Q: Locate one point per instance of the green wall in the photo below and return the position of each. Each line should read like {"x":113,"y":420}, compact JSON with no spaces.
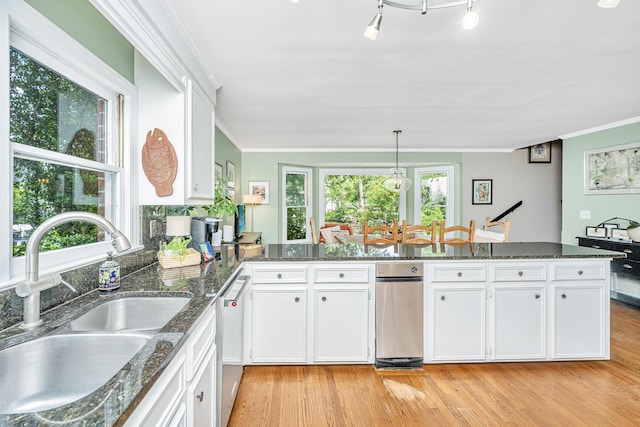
{"x":602,"y":207}
{"x":266,"y":166}
{"x":85,"y":24}
{"x":227,"y":151}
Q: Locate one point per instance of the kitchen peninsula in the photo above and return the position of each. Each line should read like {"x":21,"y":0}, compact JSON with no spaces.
{"x":520,"y":301}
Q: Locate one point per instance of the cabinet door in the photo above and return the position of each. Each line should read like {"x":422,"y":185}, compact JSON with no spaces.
{"x":279,"y":326}
{"x":458,"y":324}
{"x":200,"y":145}
{"x":579,"y":322}
{"x":341,"y":325}
{"x":201,"y":393}
{"x":518,"y":323}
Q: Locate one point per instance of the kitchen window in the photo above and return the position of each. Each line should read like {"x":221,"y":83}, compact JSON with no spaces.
{"x":65,"y":147}
{"x":296,"y":184}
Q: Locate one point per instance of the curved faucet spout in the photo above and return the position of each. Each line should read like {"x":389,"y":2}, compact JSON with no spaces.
{"x":30,"y":290}
{"x":120,"y":242}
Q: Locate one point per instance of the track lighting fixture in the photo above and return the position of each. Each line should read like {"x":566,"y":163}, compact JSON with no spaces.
{"x":469,"y":21}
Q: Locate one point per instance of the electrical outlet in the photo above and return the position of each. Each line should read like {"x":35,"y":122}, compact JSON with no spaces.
{"x":585,"y":214}
{"x":153,"y":228}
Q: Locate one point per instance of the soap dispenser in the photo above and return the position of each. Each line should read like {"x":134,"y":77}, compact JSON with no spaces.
{"x":109,"y":273}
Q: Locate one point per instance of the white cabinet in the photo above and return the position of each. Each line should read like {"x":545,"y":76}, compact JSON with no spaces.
{"x":310,"y":313}
{"x":580,"y":315}
{"x":457,"y":330}
{"x":518,"y":322}
{"x":174,"y":399}
{"x":279,"y":325}
{"x":200,"y":137}
{"x":341,"y":325}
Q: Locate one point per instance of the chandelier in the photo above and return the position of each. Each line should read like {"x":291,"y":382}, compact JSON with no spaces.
{"x":397,"y":180}
{"x":469,"y":21}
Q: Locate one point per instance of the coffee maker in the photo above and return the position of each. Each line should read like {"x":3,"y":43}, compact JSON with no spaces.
{"x":202,"y":230}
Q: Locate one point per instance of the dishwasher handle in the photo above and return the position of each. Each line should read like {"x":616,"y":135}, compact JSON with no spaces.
{"x":235,"y":289}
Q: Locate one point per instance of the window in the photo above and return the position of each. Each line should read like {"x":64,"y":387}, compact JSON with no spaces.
{"x":297,"y":204}
{"x":62,"y":149}
{"x":353,"y":195}
{"x":433,"y":192}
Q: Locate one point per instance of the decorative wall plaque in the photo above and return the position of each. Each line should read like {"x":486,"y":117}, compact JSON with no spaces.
{"x":159,"y":162}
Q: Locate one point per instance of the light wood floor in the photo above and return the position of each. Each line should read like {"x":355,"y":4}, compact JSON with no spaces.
{"x":605,"y":393}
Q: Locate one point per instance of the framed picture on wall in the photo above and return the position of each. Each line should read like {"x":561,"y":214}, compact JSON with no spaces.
{"x":219,"y":171}
{"x":612,"y":170}
{"x":482,"y":191}
{"x":540,"y":153}
{"x":260,"y":188}
{"x":231,"y":174}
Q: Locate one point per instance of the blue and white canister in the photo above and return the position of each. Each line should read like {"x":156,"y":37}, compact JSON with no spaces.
{"x":109,"y":272}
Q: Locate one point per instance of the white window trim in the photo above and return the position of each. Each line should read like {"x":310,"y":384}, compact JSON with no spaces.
{"x":417,"y":194}
{"x":30,"y":32}
{"x":323,"y":173}
{"x":309,"y":201}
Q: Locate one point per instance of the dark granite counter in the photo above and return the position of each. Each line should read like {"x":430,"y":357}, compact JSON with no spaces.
{"x":116,"y":400}
{"x":473,"y":251}
{"x":112,"y":403}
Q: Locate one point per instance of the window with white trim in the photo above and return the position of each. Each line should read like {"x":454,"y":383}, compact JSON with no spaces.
{"x":433,"y":194}
{"x":297,"y":212}
{"x":63,"y":147}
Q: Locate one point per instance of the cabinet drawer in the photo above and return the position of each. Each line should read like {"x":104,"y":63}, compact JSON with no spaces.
{"x":293,"y":274}
{"x":459,"y":273}
{"x":595,"y":271}
{"x":518,"y":273}
{"x":632,"y":250}
{"x":626,"y":266}
{"x":200,"y":341}
{"x":337,"y":274}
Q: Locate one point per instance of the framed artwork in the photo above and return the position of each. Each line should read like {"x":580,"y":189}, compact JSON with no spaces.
{"x":231,"y":174}
{"x":261,"y":188}
{"x":612,"y":170}
{"x":219,"y":171}
{"x":482,"y":191}
{"x":540,"y":153}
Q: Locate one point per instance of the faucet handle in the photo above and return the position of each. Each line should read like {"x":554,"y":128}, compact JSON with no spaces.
{"x":25,"y":289}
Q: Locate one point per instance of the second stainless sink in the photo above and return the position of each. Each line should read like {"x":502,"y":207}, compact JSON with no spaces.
{"x":134,"y":313}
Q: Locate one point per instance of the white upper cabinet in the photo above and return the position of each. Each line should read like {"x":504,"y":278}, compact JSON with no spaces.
{"x":200,"y":150}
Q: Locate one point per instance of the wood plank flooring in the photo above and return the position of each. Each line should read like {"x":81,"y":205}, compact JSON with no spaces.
{"x":603,"y":393}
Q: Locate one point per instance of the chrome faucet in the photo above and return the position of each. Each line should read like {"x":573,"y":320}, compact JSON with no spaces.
{"x":31,"y":288}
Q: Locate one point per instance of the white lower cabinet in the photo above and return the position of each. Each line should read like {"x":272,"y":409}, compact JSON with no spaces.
{"x":341,"y":325}
{"x":279,"y":325}
{"x":320,"y":317}
{"x":518,"y":322}
{"x":579,"y":322}
{"x":457,"y":323}
{"x":173,"y":399}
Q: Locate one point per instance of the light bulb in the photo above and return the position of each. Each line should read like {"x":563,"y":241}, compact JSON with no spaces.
{"x":470,"y":20}
{"x":372,"y":30}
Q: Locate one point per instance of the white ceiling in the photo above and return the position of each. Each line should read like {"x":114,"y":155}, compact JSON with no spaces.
{"x":302,"y":76}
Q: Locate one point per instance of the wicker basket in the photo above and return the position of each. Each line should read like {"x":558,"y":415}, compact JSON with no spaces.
{"x":191,"y":258}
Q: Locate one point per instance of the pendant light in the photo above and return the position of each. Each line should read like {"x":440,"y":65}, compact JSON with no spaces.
{"x":397,"y":181}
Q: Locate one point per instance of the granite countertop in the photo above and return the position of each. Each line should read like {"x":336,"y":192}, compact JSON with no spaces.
{"x":115,"y":401}
{"x":473,"y":251}
{"x":112,"y":403}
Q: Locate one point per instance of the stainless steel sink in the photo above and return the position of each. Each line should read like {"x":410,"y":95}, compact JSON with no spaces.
{"x":134,"y":313}
{"x":55,"y":370}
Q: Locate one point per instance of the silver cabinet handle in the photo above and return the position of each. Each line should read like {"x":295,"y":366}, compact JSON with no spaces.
{"x":595,"y":246}
{"x":297,"y":299}
{"x":459,"y":274}
{"x":279,"y":276}
{"x":443,"y":298}
{"x":324,"y":298}
{"x":342,"y":275}
{"x":564,"y":296}
{"x":200,"y":397}
{"x":628,"y":251}
{"x":580,"y":272}
{"x":537,"y":296}
{"x":627,"y":266}
{"x":520,"y":273}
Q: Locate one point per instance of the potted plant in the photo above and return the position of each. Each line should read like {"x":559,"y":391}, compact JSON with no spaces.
{"x":177,"y":247}
{"x":223,"y":204}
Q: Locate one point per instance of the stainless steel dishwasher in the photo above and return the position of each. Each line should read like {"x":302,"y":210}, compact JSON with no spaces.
{"x":399,"y":315}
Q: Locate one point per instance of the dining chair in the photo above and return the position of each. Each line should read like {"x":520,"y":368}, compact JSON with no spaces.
{"x":388,"y":234}
{"x":314,"y":232}
{"x":418,"y":231}
{"x":505,"y":225}
{"x":469,"y":231}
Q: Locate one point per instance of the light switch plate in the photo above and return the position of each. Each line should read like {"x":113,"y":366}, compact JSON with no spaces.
{"x":584,"y":214}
